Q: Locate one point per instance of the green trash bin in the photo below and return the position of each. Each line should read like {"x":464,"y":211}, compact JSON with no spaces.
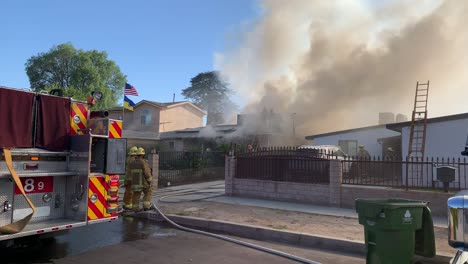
{"x":396,"y":229}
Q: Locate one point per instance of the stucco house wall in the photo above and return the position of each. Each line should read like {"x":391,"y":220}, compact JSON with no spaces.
{"x":180,"y":117}
{"x":443,"y":139}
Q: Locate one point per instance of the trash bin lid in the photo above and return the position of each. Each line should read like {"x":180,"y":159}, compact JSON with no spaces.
{"x":372,"y":206}
{"x":390,"y":203}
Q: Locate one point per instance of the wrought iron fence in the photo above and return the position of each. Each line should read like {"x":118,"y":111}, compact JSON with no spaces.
{"x":180,"y":167}
{"x":284,"y":164}
{"x":430,"y":173}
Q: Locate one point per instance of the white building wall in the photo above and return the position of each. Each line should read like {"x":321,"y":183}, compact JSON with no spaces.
{"x":366,"y":137}
{"x":443,"y":139}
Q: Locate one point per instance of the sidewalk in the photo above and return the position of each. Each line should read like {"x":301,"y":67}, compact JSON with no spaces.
{"x":304,"y":208}
{"x":207,"y":201}
{"x":204,"y":191}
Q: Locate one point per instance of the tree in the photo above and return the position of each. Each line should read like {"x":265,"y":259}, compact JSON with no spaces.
{"x":77,"y":73}
{"x":210,"y":92}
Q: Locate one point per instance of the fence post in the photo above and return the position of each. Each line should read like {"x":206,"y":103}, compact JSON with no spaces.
{"x":229,"y":172}
{"x":334,"y":188}
{"x":153,"y":159}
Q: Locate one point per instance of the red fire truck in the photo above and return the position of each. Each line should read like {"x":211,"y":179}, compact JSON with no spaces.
{"x":59,"y":164}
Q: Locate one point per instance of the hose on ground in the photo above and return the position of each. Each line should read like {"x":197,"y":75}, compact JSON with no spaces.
{"x":236,"y":241}
{"x":204,"y":193}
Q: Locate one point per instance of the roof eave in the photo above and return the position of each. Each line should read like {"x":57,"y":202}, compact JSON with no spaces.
{"x":189,"y":103}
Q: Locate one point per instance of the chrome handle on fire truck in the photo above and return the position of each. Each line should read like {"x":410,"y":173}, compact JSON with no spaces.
{"x":81,"y":193}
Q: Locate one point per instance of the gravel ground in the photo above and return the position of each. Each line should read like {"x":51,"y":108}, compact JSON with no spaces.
{"x":338,"y":227}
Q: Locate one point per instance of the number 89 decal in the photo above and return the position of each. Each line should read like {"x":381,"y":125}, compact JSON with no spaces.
{"x":36,"y":185}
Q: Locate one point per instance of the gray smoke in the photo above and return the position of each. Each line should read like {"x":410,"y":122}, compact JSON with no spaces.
{"x":336,"y":64}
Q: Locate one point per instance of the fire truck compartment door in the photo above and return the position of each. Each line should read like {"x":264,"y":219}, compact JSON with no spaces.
{"x":116,"y":155}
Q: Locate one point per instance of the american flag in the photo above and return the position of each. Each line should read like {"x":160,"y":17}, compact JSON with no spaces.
{"x":130,"y":90}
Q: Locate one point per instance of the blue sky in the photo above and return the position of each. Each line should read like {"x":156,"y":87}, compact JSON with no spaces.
{"x":159,"y":45}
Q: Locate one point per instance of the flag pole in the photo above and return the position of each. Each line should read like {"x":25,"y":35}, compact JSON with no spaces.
{"x":123,"y":110}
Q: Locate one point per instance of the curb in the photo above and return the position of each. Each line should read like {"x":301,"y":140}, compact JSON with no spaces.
{"x":274,"y":235}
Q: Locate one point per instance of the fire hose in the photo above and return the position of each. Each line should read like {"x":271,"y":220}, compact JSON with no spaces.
{"x":236,"y":241}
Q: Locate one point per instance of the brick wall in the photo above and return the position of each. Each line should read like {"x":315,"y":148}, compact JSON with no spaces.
{"x":286,"y":191}
{"x":153,"y":161}
{"x":229,"y":171}
{"x":322,"y":194}
{"x":334,"y":194}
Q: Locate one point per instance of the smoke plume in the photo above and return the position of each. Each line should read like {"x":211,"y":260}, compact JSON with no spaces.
{"x":336,"y":64}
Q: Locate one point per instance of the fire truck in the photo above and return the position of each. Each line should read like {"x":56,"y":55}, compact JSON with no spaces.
{"x":59,"y":164}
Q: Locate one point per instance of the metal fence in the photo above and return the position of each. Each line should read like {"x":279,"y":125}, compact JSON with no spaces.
{"x":430,"y":173}
{"x":284,"y":164}
{"x":181,"y":167}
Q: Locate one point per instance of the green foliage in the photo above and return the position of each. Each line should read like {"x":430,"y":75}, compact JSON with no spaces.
{"x":77,"y":73}
{"x":224,"y":148}
{"x":211,"y":93}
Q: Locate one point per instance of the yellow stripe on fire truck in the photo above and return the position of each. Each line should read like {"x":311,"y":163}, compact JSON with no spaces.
{"x":96,"y":197}
{"x":115,"y":129}
{"x":78,"y":118}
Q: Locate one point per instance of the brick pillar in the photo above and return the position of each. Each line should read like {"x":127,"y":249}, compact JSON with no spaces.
{"x":336,"y":176}
{"x":229,"y":172}
{"x":154,"y":162}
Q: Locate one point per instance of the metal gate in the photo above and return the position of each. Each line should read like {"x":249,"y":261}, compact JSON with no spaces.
{"x":181,"y":167}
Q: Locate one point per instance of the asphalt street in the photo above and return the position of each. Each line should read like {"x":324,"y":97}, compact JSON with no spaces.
{"x":139,"y":241}
{"x":186,"y":247}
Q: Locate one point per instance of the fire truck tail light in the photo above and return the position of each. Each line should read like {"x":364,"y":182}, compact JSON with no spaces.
{"x":114,"y":183}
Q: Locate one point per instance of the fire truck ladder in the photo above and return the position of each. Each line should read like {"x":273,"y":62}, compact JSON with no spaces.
{"x":417,"y":139}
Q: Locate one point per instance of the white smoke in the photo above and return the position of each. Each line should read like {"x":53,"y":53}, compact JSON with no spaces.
{"x":336,"y":64}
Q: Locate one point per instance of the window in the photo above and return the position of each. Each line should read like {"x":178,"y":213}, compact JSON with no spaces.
{"x":171,"y":145}
{"x":146,"y":117}
{"x":349,"y":147}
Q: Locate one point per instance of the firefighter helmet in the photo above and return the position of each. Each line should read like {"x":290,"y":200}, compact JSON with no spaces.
{"x":133,"y":151}
{"x":141,"y":151}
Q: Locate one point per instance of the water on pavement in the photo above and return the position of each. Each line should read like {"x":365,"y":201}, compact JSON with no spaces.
{"x":82,"y":239}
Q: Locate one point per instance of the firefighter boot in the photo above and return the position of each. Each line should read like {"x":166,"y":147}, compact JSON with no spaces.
{"x":128,"y":196}
{"x":147,"y":193}
{"x":136,"y":201}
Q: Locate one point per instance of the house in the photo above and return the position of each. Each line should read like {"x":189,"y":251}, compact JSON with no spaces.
{"x":259,"y":130}
{"x":371,"y":137}
{"x":143,"y":125}
{"x":445,"y":137}
{"x":193,"y":139}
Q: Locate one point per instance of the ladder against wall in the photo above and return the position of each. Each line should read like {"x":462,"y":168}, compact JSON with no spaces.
{"x":417,"y":140}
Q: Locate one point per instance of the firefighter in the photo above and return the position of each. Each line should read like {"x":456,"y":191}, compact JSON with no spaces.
{"x":391,"y":169}
{"x":127,"y":199}
{"x":389,"y":155}
{"x":363,"y":153}
{"x":141,"y":181}
{"x":361,"y":168}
